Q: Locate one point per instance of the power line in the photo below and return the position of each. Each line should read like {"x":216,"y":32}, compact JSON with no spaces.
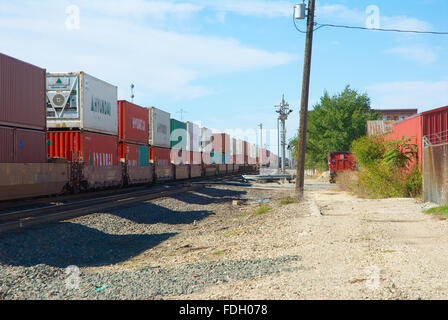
{"x":377,"y":29}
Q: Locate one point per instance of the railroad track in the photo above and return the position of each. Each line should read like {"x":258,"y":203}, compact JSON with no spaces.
{"x":18,"y":220}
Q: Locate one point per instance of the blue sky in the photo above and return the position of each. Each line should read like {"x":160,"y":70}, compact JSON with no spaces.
{"x":228,"y":62}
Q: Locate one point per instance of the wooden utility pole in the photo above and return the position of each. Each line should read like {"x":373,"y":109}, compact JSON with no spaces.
{"x":301,"y":143}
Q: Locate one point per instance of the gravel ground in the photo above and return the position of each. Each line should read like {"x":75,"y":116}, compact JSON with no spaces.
{"x":108,"y":249}
{"x":205,"y":245}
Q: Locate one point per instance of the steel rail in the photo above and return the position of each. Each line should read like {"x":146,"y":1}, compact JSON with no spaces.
{"x":19,"y":220}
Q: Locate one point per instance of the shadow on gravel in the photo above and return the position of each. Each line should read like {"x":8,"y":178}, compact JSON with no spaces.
{"x":68,"y":244}
{"x":149,"y":213}
{"x":210,"y":195}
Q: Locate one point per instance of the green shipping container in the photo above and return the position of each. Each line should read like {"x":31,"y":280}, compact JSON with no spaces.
{"x":218,"y":158}
{"x":143,"y":156}
{"x":178,"y":134}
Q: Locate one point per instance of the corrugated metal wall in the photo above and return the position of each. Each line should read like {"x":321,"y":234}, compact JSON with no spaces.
{"x":379,"y":127}
{"x":435,"y":174}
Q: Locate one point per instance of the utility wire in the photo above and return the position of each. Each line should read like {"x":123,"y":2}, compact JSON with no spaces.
{"x":319,"y":25}
{"x":377,"y":29}
{"x":295,"y":25}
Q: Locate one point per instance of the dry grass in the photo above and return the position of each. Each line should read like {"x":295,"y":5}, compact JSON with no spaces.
{"x":347,"y":181}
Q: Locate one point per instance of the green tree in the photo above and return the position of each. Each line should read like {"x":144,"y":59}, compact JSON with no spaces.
{"x":334,"y":124}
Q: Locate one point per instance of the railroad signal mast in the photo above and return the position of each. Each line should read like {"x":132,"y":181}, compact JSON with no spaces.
{"x":283,"y":110}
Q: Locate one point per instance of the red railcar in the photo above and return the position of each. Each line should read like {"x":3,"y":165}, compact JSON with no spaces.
{"x":340,"y":161}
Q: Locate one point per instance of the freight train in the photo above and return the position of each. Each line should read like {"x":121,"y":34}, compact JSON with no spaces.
{"x":63,"y":132}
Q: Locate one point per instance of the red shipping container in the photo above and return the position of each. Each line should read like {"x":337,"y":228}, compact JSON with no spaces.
{"x":133,"y":122}
{"x":409,"y":128}
{"x":30,"y":146}
{"x":160,"y":156}
{"x":130,"y":151}
{"x":22,"y":146}
{"x":6,"y":145}
{"x":179,"y":156}
{"x":239,"y":159}
{"x":220,"y":143}
{"x":194,"y":157}
{"x":245,"y":149}
{"x":95,"y":149}
{"x":22,"y":94}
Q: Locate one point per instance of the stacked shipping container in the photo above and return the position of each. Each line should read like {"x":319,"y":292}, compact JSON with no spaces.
{"x":159,"y":137}
{"x":22,"y":112}
{"x":82,"y":117}
{"x":193,"y":144}
{"x":133,"y":134}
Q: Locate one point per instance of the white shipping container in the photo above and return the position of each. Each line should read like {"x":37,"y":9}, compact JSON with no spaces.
{"x":159,"y":128}
{"x":232,"y":147}
{"x":206,"y":139}
{"x":193,"y":137}
{"x":239,"y":147}
{"x":78,"y":100}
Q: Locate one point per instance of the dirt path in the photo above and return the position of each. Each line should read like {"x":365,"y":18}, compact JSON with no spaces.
{"x":358,"y":249}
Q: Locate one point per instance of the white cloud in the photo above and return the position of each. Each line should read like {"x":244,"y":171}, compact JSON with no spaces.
{"x":412,"y":94}
{"x":124,"y":51}
{"x":419,"y":54}
{"x":260,"y":8}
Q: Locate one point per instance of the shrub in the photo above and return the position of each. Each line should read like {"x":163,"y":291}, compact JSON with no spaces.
{"x":368,"y":150}
{"x":386,"y":169}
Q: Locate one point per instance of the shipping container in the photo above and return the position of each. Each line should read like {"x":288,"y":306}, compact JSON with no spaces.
{"x":409,"y":128}
{"x":160,"y":156}
{"x":239,"y":147}
{"x":178,"y":131}
{"x":193,"y":137}
{"x":220,"y":142}
{"x":94,"y":149}
{"x":206,"y":140}
{"x":195,"y":158}
{"x":7,"y":145}
{"x":22,"y":146}
{"x":76,"y":100}
{"x":232,"y":151}
{"x":133,"y":123}
{"x":239,"y":159}
{"x":220,"y":158}
{"x":22,"y":94}
{"x":159,"y":128}
{"x":245,"y":150}
{"x":379,"y":127}
{"x":435,"y":125}
{"x":136,"y":155}
{"x":179,"y":156}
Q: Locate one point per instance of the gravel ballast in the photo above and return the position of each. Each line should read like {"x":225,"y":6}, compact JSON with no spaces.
{"x":105,"y":246}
